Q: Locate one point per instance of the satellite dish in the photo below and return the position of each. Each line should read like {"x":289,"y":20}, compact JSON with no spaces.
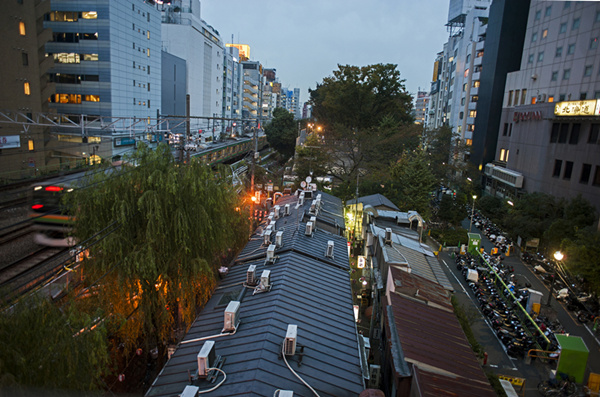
{"x":308,"y":179}
{"x":303,"y":184}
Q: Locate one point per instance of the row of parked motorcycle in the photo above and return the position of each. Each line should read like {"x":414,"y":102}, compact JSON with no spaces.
{"x":502,"y":302}
{"x":566,"y":288}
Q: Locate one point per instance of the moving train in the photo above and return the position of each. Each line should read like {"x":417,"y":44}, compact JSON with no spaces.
{"x":52,"y":224}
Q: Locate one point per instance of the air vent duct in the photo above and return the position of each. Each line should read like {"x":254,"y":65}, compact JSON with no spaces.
{"x":279,"y":238}
{"x":289,"y":344}
{"x":287,"y":210}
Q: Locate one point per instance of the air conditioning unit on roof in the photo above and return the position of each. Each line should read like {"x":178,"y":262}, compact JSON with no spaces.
{"x":267,"y":237}
{"x":279,"y":238}
{"x":271,"y":253}
{"x":251,"y":275}
{"x":287,"y":210}
{"x":265,"y":279}
{"x":388,"y":235}
{"x":329,"y":253}
{"x":276,"y":211}
{"x":231,"y":316}
{"x":206,"y":358}
{"x":289,"y":344}
{"x":309,"y":229}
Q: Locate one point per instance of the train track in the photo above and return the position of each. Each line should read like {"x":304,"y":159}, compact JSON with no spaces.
{"x":8,"y":236}
{"x":27,"y":273}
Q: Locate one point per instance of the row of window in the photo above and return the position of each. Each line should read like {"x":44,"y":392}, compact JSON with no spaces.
{"x":73,"y":98}
{"x":71,"y":57}
{"x":569,"y":133}
{"x":140,"y":49}
{"x":567,"y":172}
{"x":70,"y":16}
{"x":143,"y":32}
{"x":141,"y":102}
{"x":72,"y":78}
{"x":64,"y":37}
{"x":143,"y":14}
{"x":141,"y":67}
{"x":141,"y":85}
{"x":516,"y":101}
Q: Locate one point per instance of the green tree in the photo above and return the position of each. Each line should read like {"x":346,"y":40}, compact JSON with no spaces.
{"x":311,"y":158}
{"x":437,"y":144}
{"x":42,"y":347}
{"x":365,"y":112}
{"x":452,"y":210}
{"x":281,"y":132}
{"x":532,"y":215}
{"x":165,"y":229}
{"x":416,"y":181}
{"x":582,"y":255}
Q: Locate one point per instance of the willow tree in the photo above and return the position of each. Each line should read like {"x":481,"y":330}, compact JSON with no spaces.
{"x":157,"y":233}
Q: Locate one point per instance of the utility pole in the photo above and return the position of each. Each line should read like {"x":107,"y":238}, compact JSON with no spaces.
{"x":187,"y":125}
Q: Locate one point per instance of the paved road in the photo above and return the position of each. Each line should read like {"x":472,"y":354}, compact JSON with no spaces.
{"x":498,"y":361}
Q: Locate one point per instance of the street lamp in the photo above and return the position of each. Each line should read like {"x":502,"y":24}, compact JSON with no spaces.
{"x":558,"y":256}
{"x":472,"y":212}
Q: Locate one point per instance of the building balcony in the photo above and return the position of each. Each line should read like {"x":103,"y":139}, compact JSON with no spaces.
{"x":476,"y":76}
{"x":480,"y":45}
{"x":477,"y":61}
{"x":474,"y":91}
{"x":472,"y":106}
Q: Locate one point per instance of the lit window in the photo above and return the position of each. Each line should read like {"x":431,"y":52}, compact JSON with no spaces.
{"x":26,"y":88}
{"x":550,"y":99}
{"x":148,"y":34}
{"x":148,"y":51}
{"x":92,"y":98}
{"x":502,"y":154}
{"x":89,"y":15}
{"x":473,"y":113}
{"x":469,"y":142}
{"x":30,"y":145}
{"x":22,"y":28}
{"x":466,"y":73}
{"x":544,"y":33}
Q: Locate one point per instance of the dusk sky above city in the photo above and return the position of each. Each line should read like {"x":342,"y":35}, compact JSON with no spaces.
{"x":306,"y":40}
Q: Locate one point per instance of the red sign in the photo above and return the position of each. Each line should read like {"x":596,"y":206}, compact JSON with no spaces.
{"x":526,"y":116}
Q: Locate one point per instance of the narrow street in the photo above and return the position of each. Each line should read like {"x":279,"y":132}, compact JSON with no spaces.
{"x":498,"y":360}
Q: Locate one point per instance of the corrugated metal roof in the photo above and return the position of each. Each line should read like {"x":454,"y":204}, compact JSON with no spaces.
{"x":308,"y":289}
{"x":375,"y":200}
{"x":432,"y":339}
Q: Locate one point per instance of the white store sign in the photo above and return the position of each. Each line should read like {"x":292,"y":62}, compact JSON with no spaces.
{"x":10,"y":141}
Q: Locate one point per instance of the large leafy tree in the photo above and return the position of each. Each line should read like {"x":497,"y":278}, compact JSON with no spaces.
{"x":311,"y":158}
{"x":164,"y":229}
{"x":365,"y":112}
{"x":582,"y":256}
{"x":281,"y":132}
{"x":50,"y":347}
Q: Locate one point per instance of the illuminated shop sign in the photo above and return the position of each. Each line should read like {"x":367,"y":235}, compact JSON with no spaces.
{"x":578,"y":108}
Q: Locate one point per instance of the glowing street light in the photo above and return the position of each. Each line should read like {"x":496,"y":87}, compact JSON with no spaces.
{"x":559,"y":257}
{"x":472,"y":212}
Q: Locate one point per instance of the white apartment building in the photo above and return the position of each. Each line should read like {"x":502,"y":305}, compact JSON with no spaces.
{"x":186,"y":35}
{"x":232,"y":92}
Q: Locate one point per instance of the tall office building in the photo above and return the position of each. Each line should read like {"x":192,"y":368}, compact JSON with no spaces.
{"x":421,"y":105}
{"x":187,"y":36}
{"x":252,"y":96}
{"x":232,"y":92}
{"x":107,"y":62}
{"x":25,"y":87}
{"x":549,"y":133}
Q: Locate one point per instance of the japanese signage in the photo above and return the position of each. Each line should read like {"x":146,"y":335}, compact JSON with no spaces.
{"x":525,"y":116}
{"x":577,"y":108}
{"x":10,"y":141}
{"x":124,"y":141}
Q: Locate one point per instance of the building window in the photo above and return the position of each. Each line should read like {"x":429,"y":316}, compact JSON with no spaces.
{"x":26,"y":88}
{"x":594,"y":133}
{"x":134,"y":64}
{"x":148,"y":34}
{"x":554,"y":76}
{"x":517,"y":95}
{"x":472,"y":113}
{"x":148,"y":69}
{"x":574,"y":137}
{"x":148,"y":86}
{"x":597,"y":16}
{"x":544,"y":33}
{"x":505,"y":132}
{"x":582,"y":96}
{"x":540,"y":56}
{"x":548,"y":11}
{"x":567,"y":5}
{"x":558,"y":52}
{"x":561,"y":97}
{"x":563,"y":28}
{"x":568,"y":170}
{"x":588,"y":70}
{"x":538,"y":15}
{"x":134,"y":46}
{"x":597,"y":95}
{"x":586,"y":170}
{"x":148,"y":103}
{"x":148,"y":51}
{"x":25,"y":58}
{"x":571,"y":49}
{"x":534,"y":37}
{"x":22,"y":28}
{"x":464,"y":87}
{"x":134,"y":101}
{"x":504,"y":155}
{"x":593,"y":43}
{"x":596,"y":181}
{"x":566,"y":74}
{"x":575,"y":24}
{"x":557,"y":167}
{"x":510,"y":94}
{"x":476,"y":83}
{"x":554,"y":132}
{"x":564,"y":132}
{"x":523,"y":96}
{"x":530,"y":58}
{"x":550,"y":98}
{"x":30,"y":145}
{"x":466,"y":73}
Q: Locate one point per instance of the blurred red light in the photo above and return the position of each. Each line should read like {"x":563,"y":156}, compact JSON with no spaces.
{"x":53,"y":188}
{"x":36,"y":207}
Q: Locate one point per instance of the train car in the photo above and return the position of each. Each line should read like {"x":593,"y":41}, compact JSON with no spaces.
{"x":231,"y":149}
{"x":50,"y":222}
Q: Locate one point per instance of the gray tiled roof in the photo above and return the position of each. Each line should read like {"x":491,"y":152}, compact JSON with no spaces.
{"x":308,"y":289}
{"x":375,"y":200}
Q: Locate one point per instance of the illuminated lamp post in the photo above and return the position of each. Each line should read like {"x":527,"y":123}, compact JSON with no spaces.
{"x":559,"y":257}
{"x":472,"y":212}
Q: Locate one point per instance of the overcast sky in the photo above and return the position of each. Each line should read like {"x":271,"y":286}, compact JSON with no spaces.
{"x":305,"y":40}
